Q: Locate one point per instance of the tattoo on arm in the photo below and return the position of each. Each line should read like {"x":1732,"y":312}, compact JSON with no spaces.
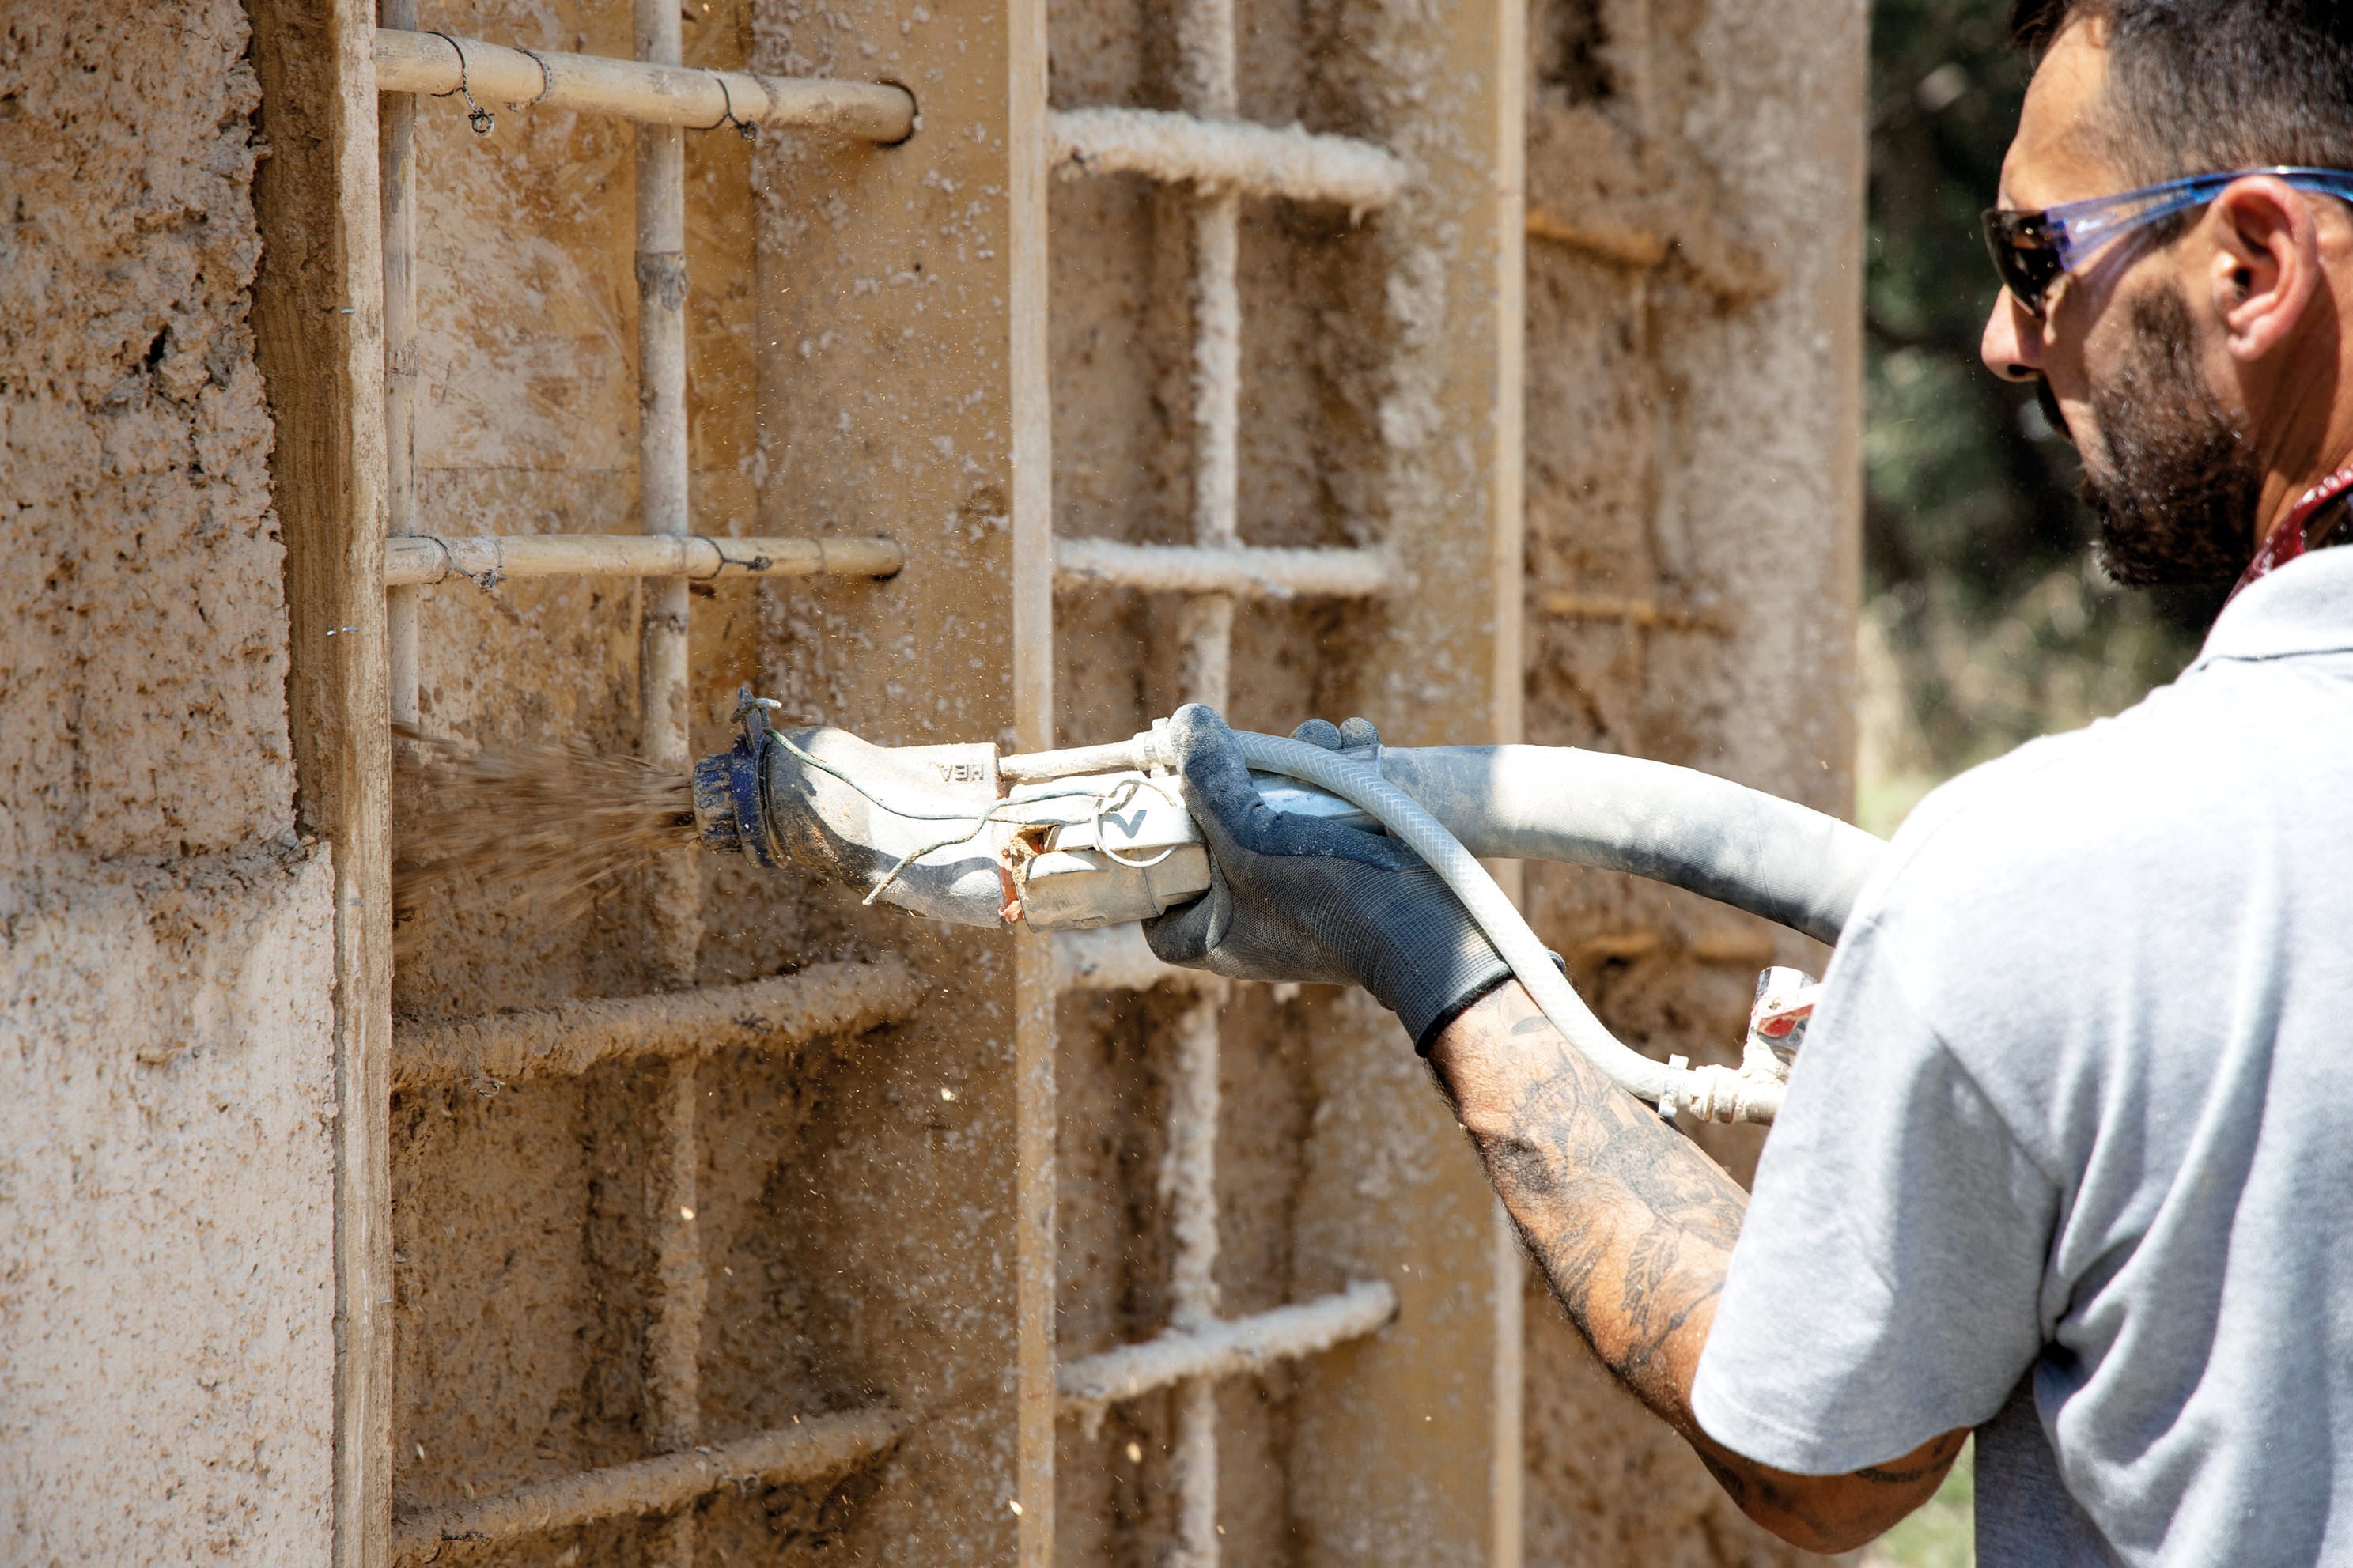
{"x":1633,"y":1226}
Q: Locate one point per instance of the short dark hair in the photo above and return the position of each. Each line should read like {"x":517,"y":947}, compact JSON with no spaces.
{"x":2195,"y":87}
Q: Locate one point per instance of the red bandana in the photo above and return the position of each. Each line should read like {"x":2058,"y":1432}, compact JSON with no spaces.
{"x":2286,"y":541}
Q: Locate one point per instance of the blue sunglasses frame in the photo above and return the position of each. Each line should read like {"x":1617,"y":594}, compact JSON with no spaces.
{"x":2032,"y":250}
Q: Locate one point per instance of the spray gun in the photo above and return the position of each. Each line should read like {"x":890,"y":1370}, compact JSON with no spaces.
{"x":1099,"y":835}
{"x":1056,"y":840}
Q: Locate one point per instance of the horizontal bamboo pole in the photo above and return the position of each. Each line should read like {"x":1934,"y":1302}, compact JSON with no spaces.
{"x":1226,"y":155}
{"x":497,"y":76}
{"x":426,"y":558}
{"x":816,"y":1448}
{"x":1645,"y":613}
{"x":1224,"y":1349}
{"x":1244,"y":571}
{"x":1609,"y":241}
{"x":572,"y":1037}
{"x":1114,"y":958}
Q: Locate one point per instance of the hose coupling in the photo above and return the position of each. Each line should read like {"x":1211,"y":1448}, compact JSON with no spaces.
{"x":1717,"y":1094}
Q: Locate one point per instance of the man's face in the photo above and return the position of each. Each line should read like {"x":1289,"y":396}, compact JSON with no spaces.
{"x":2120,"y":357}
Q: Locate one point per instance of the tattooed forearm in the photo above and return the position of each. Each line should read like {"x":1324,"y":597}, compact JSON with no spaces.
{"x":1631,"y":1224}
{"x":1634,"y":1228}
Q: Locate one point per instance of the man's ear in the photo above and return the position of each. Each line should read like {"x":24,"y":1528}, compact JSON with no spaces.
{"x":2266,"y":264}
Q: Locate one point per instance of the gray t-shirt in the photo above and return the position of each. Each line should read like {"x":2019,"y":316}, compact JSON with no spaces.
{"x":2066,"y":1156}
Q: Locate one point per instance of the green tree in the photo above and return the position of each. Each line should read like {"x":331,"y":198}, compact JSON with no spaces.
{"x":1986,"y":622}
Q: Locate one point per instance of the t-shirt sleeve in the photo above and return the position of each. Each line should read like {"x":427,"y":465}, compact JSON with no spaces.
{"x":1887,"y":1285}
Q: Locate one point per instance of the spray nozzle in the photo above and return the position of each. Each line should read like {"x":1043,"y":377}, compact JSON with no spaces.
{"x":728,"y":812}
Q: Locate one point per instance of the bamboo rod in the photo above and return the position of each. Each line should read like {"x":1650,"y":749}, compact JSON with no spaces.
{"x":1645,"y":614}
{"x":662,"y":498}
{"x":396,"y":174}
{"x":1226,"y":154}
{"x":648,"y":92}
{"x":1226,"y":1349}
{"x":1246,"y":572}
{"x":1217,"y":368}
{"x":1204,"y":634}
{"x":681,"y":1287}
{"x":1189,"y":1172}
{"x":1189,"y":1188}
{"x":673,"y":1345}
{"x":817,"y":1447}
{"x":1507,"y":703}
{"x":674,"y":886}
{"x":1188,"y":1175}
{"x":1207,"y":622}
{"x":430,"y":558}
{"x":824,"y":999}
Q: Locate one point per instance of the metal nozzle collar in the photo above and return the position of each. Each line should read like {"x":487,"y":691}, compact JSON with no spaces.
{"x":730,"y":817}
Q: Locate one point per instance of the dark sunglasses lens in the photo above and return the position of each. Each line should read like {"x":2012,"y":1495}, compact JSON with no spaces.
{"x":2027,"y":268}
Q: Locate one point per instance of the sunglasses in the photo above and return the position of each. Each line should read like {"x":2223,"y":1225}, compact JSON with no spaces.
{"x":2032,"y":250}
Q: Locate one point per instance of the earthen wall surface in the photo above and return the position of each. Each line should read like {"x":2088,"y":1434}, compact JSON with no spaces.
{"x":166,"y":1334}
{"x":853,"y":1200}
{"x":1694,"y":193}
{"x":167,"y":937}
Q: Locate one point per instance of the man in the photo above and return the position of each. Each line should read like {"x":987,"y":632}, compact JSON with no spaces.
{"x":2064,"y":1161}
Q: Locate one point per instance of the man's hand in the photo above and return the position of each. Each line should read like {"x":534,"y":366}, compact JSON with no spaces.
{"x":1292,"y":898}
{"x":1633,"y":1226}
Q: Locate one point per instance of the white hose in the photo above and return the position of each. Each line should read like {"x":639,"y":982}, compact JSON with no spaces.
{"x":1793,"y":866}
{"x":1712,"y":1092}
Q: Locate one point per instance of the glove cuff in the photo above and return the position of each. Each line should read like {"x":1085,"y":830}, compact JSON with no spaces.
{"x":1474,"y":989}
{"x":1436,"y":962}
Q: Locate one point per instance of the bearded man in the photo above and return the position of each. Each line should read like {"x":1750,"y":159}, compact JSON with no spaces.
{"x":2064,"y":1161}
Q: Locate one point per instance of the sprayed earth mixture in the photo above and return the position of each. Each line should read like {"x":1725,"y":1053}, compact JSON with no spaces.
{"x":542,"y":829}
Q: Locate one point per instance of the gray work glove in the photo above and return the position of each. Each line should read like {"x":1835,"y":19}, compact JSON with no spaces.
{"x":1298,"y":899}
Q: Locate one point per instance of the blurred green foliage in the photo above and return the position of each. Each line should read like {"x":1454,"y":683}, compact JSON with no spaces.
{"x":1939,"y":1533}
{"x":1986,"y":623}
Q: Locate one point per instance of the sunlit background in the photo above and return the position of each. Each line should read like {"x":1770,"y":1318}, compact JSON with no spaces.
{"x":1985,"y":621}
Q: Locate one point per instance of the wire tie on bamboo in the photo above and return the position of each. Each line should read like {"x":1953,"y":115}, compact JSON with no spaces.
{"x":546,"y":81}
{"x":747,"y":129}
{"x":488,"y":581}
{"x":480,"y":118}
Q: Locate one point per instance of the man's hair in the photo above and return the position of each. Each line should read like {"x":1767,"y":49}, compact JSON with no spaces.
{"x":2198,"y":87}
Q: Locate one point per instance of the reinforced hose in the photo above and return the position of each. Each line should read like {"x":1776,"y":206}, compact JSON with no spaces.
{"x":1713,"y":1092}
{"x":1792,"y":865}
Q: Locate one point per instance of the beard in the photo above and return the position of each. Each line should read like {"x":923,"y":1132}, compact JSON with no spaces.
{"x":2176,"y":486}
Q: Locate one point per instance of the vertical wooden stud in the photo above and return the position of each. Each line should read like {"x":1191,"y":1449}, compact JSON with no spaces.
{"x":318,"y":318}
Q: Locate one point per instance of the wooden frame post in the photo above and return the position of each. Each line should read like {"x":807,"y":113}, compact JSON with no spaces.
{"x":318,"y":318}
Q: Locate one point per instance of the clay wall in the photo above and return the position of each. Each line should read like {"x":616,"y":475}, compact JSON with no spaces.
{"x":527,"y":1214}
{"x":178,"y":963}
{"x":1695,"y":198}
{"x":848,"y":365}
{"x":166,"y":936}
